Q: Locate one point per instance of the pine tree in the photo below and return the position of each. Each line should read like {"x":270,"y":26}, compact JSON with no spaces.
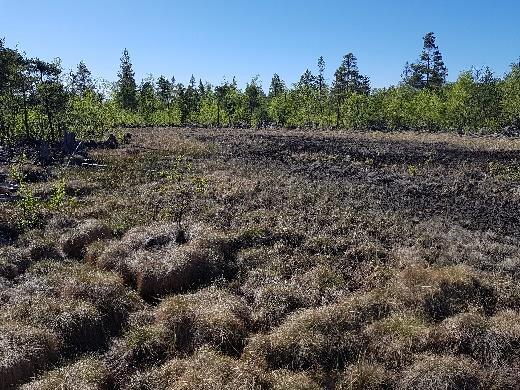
{"x":348,"y":80}
{"x":127,"y":88}
{"x":430,"y":71}
{"x":192,"y":98}
{"x":202,"y":89}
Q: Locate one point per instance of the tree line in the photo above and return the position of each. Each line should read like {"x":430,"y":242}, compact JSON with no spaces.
{"x":38,"y":100}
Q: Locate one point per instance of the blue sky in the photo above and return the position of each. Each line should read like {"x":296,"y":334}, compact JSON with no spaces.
{"x":217,"y":39}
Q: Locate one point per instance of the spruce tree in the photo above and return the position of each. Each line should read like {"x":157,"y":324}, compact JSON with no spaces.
{"x":82,"y":80}
{"x":320,"y":81}
{"x":126,"y":86}
{"x":164,"y":91}
{"x":253,"y":94}
{"x":277,"y":86}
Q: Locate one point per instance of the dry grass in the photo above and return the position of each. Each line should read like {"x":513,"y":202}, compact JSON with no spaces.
{"x":23,"y":351}
{"x":79,"y":307}
{"x":441,"y":292}
{"x":436,"y":372}
{"x":88,"y":232}
{"x":365,"y":376}
{"x":206,"y":369}
{"x":327,"y":336}
{"x":88,"y":373}
{"x":289,"y":380}
{"x":394,"y":339}
{"x":313,"y":260}
{"x":151,"y":260}
{"x":15,"y":260}
{"x":210,"y":316}
{"x":180,"y":325}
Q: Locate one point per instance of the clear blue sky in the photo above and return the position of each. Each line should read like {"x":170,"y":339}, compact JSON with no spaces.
{"x":216,"y":39}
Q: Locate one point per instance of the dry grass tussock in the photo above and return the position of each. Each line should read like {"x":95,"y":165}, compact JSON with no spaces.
{"x":88,"y":373}
{"x":206,"y":369}
{"x":151,"y":259}
{"x":23,"y":351}
{"x":180,"y":325}
{"x":435,"y":372}
{"x":328,"y":336}
{"x":76,"y":307}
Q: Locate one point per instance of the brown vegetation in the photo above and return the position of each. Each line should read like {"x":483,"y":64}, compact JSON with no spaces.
{"x":323,"y":260}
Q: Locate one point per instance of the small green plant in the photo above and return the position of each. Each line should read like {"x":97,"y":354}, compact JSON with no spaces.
{"x":504,"y":171}
{"x":412,"y":169}
{"x":58,"y":196}
{"x":30,"y":207}
{"x":179,"y":189}
{"x":28,"y":204}
{"x":16,"y":170}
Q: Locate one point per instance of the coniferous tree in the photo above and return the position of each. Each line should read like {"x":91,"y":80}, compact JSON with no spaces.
{"x":253,"y":94}
{"x":82,"y":80}
{"x":192,"y":99}
{"x":202,"y":89}
{"x":430,"y":71}
{"x":164,"y":91}
{"x":220,"y":94}
{"x":305,"y":91}
{"x":320,"y":80}
{"x":348,"y":80}
{"x":126,"y":86}
{"x":277,"y":86}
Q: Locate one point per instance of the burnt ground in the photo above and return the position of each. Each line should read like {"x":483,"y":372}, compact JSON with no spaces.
{"x":475,"y":187}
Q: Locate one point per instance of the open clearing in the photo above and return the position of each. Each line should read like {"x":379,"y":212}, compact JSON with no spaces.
{"x":310,"y":260}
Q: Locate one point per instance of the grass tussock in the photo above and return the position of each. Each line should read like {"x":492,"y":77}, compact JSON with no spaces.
{"x":180,"y":325}
{"x":436,"y":372}
{"x":492,"y":341}
{"x":441,"y":292}
{"x":76,"y":241}
{"x":156,"y":264}
{"x":15,"y":260}
{"x":289,"y":380}
{"x":89,"y":373}
{"x":206,"y":369}
{"x":23,"y":351}
{"x":365,"y":376}
{"x":328,"y":336}
{"x":79,"y":307}
{"x":394,"y":339}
